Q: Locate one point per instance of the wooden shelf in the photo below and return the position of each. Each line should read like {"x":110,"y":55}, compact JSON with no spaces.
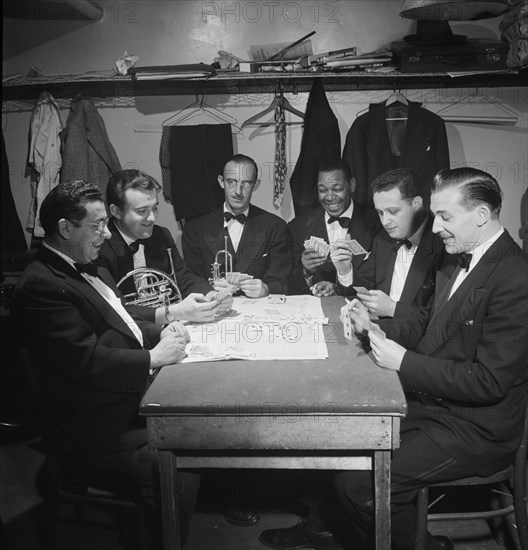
{"x":68,"y":86}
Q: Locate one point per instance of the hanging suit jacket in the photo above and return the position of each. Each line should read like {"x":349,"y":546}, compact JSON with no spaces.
{"x":377,"y":271}
{"x":92,"y":369}
{"x":118,"y":259}
{"x":44,"y":154}
{"x":87,"y":152}
{"x":321,"y":142}
{"x":263,"y":251}
{"x":466,"y":371}
{"x":364,"y":224}
{"x":368,"y":151}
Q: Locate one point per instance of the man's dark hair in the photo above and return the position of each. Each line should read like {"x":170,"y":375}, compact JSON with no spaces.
{"x":67,"y":200}
{"x":242,"y":159}
{"x":123,"y":180}
{"x":476,"y":187}
{"x":334,"y":165}
{"x":407,"y":181}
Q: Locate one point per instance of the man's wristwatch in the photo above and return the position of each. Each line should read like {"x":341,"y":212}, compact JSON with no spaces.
{"x":169,"y":316}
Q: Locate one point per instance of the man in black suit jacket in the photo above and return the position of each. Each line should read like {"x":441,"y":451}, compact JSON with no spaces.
{"x":258,"y":241}
{"x":405,"y":257}
{"x":136,"y":241}
{"x":92,"y":358}
{"x":338,"y":219}
{"x":462,"y":364}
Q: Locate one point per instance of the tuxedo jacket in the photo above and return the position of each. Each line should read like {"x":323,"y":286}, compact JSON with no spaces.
{"x":118,"y":259}
{"x":364,"y":224}
{"x":263,"y":251}
{"x":90,"y":367}
{"x":466,"y":371}
{"x":377,"y":271}
{"x":368,"y":151}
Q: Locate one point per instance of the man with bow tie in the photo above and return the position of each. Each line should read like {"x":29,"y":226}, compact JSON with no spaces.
{"x":463,"y":366}
{"x":401,"y":269}
{"x":258,"y":241}
{"x":92,"y":359}
{"x":136,"y":241}
{"x":337,"y":220}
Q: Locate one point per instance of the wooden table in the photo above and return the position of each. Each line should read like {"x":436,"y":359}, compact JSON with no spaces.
{"x":342,"y":413}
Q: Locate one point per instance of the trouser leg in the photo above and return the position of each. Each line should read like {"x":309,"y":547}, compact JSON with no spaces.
{"x":419,"y":461}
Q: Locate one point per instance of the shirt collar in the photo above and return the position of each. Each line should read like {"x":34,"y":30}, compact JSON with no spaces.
{"x":346,"y":214}
{"x":481,"y":249}
{"x":226,"y":209}
{"x":127,"y":239}
{"x":417,"y":236}
{"x":59,"y":253}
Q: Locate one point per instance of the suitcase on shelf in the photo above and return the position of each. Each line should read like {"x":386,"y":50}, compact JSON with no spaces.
{"x":474,"y":54}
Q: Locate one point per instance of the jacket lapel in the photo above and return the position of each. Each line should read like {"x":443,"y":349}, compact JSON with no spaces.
{"x":415,"y":139}
{"x":250,"y":244}
{"x":123,"y":255}
{"x":446,"y":320}
{"x":385,"y":259}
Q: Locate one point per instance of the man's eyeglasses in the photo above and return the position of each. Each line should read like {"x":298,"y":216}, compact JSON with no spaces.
{"x":99,"y":226}
{"x":246,"y":184}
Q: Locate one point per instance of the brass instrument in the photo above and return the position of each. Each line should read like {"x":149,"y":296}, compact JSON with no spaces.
{"x":228,"y":263}
{"x":154,"y":288}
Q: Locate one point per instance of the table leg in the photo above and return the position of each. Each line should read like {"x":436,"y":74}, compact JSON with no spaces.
{"x":382,"y":519}
{"x":169,"y":501}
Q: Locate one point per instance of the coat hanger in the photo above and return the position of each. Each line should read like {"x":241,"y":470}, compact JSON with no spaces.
{"x":509,"y":117}
{"x":398,"y":100}
{"x":197,"y":108}
{"x":279,"y":97}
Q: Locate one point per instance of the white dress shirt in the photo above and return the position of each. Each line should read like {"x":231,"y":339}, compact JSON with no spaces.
{"x":234,"y":227}
{"x":402,"y":264}
{"x":107,"y":293}
{"x":336,"y":232}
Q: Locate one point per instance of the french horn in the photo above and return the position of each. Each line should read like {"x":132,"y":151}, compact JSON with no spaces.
{"x":153,"y":287}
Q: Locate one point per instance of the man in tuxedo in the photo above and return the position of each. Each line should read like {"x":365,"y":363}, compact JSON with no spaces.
{"x":401,"y":269}
{"x":258,"y":241}
{"x":92,"y":358}
{"x":463,"y":366}
{"x":136,"y":241}
{"x":339,"y":219}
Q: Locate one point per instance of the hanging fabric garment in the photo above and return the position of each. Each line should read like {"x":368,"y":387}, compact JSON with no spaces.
{"x":192,"y":158}
{"x":280,"y":167}
{"x":44,"y":155}
{"x":87,"y":152}
{"x":13,"y":238}
{"x":321,"y":142}
{"x":370,"y":150}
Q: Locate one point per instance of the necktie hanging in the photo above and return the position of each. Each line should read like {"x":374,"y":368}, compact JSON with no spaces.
{"x":280,"y":167}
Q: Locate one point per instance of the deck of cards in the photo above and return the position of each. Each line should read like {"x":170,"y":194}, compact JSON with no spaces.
{"x":319,"y":245}
{"x":235,"y":277}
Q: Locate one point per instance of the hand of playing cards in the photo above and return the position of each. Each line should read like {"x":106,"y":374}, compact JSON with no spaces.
{"x":323,"y":248}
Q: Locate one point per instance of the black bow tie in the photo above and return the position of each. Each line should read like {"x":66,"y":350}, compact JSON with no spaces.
{"x":402,"y":242}
{"x":343,"y":221}
{"x":134,"y":245}
{"x":89,"y":269}
{"x":464,"y":259}
{"x":238,"y":217}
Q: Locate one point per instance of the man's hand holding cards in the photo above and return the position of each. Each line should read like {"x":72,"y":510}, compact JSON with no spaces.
{"x":315,"y":253}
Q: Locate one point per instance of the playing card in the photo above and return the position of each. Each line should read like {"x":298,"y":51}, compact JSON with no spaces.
{"x":355,"y":247}
{"x":377,"y":331}
{"x":233,"y":277}
{"x":244,"y":277}
{"x":224,"y":293}
{"x":360,"y":289}
{"x":347,"y":327}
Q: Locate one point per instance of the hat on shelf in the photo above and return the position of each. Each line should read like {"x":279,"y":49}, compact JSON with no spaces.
{"x":434,"y":32}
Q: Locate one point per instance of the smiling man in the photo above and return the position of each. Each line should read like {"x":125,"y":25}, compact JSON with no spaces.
{"x":463,"y":366}
{"x":258,"y":241}
{"x":92,"y":359}
{"x":136,"y":241}
{"x":337,"y":220}
{"x":401,"y":269}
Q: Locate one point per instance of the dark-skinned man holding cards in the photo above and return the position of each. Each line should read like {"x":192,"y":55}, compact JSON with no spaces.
{"x":398,"y":277}
{"x":462,"y":364}
{"x":332,"y":240}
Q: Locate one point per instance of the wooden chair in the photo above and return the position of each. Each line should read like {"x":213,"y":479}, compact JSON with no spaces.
{"x":511,"y":483}
{"x":65,"y":481}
